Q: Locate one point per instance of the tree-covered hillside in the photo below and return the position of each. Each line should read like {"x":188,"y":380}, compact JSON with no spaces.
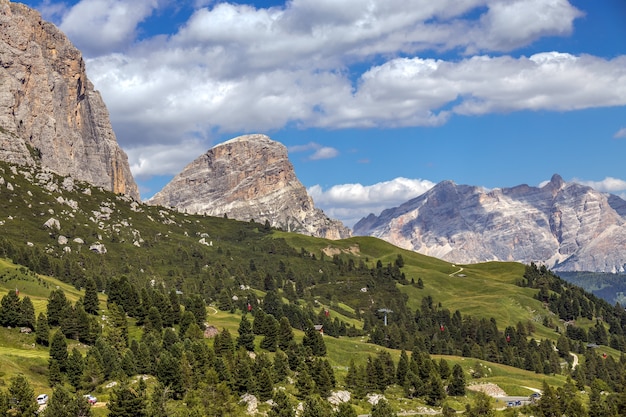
{"x":157,"y":313}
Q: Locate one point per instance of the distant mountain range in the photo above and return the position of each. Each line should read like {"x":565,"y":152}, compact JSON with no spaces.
{"x":566,"y":226}
{"x":51,"y":116}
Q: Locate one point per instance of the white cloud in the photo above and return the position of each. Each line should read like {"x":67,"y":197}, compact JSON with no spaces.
{"x":166,"y":101}
{"x":325,"y":152}
{"x":511,"y":24}
{"x":620,"y":134}
{"x":608,"y":185}
{"x":158,"y":159}
{"x":319,"y":151}
{"x":483,"y":84}
{"x":351,"y":202}
{"x":240,"y":69}
{"x":103,"y":26}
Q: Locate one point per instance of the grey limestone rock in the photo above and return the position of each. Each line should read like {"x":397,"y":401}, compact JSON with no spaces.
{"x":50,"y":113}
{"x":248,"y":178}
{"x":566,"y":226}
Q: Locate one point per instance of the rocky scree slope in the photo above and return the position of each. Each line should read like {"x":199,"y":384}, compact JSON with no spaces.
{"x":50,"y":113}
{"x":567,"y":226}
{"x":248,"y":177}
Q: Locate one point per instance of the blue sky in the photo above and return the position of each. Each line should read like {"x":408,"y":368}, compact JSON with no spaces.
{"x":377,"y":100}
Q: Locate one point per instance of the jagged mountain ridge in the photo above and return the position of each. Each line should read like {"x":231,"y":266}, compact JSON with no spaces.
{"x":567,"y":226}
{"x":50,"y":113}
{"x":248,"y":177}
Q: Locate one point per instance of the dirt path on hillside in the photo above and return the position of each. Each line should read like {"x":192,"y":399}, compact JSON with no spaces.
{"x":457,"y":272}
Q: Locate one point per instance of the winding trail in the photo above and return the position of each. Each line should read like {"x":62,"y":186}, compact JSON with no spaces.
{"x":575,"y":361}
{"x":457,"y":272}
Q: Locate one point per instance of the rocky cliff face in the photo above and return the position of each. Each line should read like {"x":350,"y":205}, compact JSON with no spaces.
{"x":567,"y":226}
{"x":249,"y":177}
{"x":50,"y":113}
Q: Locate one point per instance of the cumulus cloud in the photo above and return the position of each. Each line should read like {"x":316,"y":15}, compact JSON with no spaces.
{"x":319,"y":151}
{"x":234,"y":68}
{"x":351,"y":202}
{"x":165,"y":101}
{"x":620,"y":134}
{"x":511,"y":24}
{"x":410,"y":87}
{"x":608,"y":185}
{"x":103,"y":26}
{"x":163,"y":159}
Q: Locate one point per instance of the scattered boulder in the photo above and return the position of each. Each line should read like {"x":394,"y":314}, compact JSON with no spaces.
{"x":52,"y":223}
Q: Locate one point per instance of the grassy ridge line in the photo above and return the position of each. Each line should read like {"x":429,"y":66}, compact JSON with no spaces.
{"x":37,"y":287}
{"x":483,"y":290}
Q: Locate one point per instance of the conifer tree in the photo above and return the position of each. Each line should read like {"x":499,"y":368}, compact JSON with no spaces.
{"x":93,"y":372}
{"x":345,"y":410}
{"x":281,"y":365}
{"x":55,"y":377}
{"x":157,"y":401}
{"x":548,"y":404}
{"x":258,"y":324}
{"x":285,"y":333}
{"x":193,"y":332}
{"x":42,"y":330}
{"x":597,"y":407}
{"x":75,"y":368}
{"x":323,"y":382}
{"x":110,"y":358}
{"x":128,"y":364}
{"x":382,"y":409}
{"x":435,"y":393}
{"x":64,"y":404}
{"x":10,"y":310}
{"x":355,"y":380}
{"x":57,"y":303}
{"x":304,"y":383}
{"x":67,"y":322}
{"x":483,"y":408}
{"x":197,"y":306}
{"x":27,"y":313}
{"x":243,"y":377}
{"x":265,"y":385}
{"x":169,"y":373}
{"x":313,"y":340}
{"x":246,"y":335}
{"x":223,"y":344}
{"x":444,"y":369}
{"x":270,"y":341}
{"x":116,"y":328}
{"x":175,"y":306}
{"x":403,"y":368}
{"x":282,"y":406}
{"x":126,"y":402}
{"x":186,"y":319}
{"x":58,"y":350}
{"x":456,"y":387}
{"x":81,"y":322}
{"x":169,"y":340}
{"x":273,"y":305}
{"x":91,"y":302}
{"x":314,"y":406}
{"x":22,"y":397}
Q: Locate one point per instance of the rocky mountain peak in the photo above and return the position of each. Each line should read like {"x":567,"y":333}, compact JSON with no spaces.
{"x":556,"y":183}
{"x":50,"y":113}
{"x":248,"y":177}
{"x":567,"y":226}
